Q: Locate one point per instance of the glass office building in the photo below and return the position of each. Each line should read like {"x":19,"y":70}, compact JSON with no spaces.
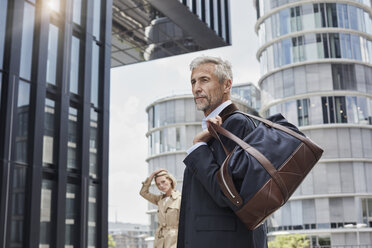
{"x":316,"y":64}
{"x":54,"y":74}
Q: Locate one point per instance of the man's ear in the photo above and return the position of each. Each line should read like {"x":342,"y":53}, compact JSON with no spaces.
{"x":227,"y":84}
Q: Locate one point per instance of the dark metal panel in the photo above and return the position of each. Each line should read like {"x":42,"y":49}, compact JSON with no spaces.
{"x":37,"y":104}
{"x":180,"y":14}
{"x":85,"y":123}
{"x":104,"y":131}
{"x":9,"y":100}
{"x":227,"y":20}
{"x":219,"y":17}
{"x":62,"y":110}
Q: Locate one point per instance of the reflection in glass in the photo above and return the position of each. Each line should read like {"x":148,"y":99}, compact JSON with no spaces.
{"x":318,"y":15}
{"x":18,"y":206}
{"x":303,"y":112}
{"x":76,"y":12}
{"x":315,"y":46}
{"x":72,"y":138}
{"x":3,"y":10}
{"x":74,"y":62}
{"x":22,"y":128}
{"x":95,"y":74}
{"x":52,"y":54}
{"x":343,"y":77}
{"x":54,"y":5}
{"x":49,"y":132}
{"x":96,"y":19}
{"x":46,"y":213}
{"x":93,"y":143}
{"x":92,"y":216}
{"x":27,"y":40}
{"x":71,"y":236}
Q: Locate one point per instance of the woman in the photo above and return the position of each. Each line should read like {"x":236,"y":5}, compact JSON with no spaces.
{"x":168,"y":207}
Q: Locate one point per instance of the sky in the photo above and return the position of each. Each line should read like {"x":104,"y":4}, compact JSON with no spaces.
{"x":134,"y":87}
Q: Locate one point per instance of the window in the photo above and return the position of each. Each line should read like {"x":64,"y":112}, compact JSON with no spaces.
{"x":303,"y":112}
{"x":92,"y":216}
{"x":27,"y":40}
{"x":343,"y":77}
{"x":18,"y":206}
{"x":23,"y":122}
{"x":96,"y":19}
{"x":72,"y":218}
{"x":95,"y":74}
{"x":72,"y":138}
{"x":334,"y":109}
{"x":76,"y":12}
{"x":52,"y":54}
{"x":49,"y":132}
{"x":3,"y":10}
{"x":46,"y":213}
{"x":93,"y":143}
{"x":367,"y":211}
{"x":74,"y":62}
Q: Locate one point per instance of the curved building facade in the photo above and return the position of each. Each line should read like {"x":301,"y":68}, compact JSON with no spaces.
{"x":316,"y":65}
{"x":172,"y":124}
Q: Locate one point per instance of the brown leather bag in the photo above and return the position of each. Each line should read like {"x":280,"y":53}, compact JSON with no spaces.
{"x":265,"y":168}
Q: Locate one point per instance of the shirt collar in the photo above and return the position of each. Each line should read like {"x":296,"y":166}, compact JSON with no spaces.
{"x":214,"y":113}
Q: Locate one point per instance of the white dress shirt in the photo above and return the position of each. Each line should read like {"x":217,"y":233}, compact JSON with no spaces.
{"x":213,"y":114}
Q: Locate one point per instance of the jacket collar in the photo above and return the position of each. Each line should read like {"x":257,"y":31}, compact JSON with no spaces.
{"x":217,"y":111}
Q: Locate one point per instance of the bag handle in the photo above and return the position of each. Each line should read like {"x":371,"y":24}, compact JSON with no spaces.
{"x":266,"y":164}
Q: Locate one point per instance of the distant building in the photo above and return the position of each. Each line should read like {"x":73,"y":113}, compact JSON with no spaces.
{"x":316,"y":61}
{"x":128,"y":235}
{"x":249,"y":93}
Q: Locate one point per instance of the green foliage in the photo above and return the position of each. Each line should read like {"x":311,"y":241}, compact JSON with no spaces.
{"x":290,"y":241}
{"x":111,"y":242}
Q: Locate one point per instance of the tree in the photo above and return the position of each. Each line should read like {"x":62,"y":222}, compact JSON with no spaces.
{"x":290,"y":241}
{"x":111,"y":242}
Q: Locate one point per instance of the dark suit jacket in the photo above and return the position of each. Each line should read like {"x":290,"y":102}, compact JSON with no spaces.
{"x":207,"y":218}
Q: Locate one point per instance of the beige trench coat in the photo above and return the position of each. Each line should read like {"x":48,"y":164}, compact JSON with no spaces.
{"x":168,"y":216}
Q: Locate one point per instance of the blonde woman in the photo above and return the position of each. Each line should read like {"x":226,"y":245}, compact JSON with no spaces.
{"x":168,"y":207}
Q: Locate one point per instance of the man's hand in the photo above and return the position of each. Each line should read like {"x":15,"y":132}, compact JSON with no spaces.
{"x":205,"y":136}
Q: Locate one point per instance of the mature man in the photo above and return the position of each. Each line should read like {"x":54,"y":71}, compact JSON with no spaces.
{"x":207,"y":218}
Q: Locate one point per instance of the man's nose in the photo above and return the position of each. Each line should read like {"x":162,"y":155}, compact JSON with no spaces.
{"x":197,"y":87}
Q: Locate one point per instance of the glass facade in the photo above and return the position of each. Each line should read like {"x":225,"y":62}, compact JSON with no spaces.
{"x":265,"y":6}
{"x":316,"y":71}
{"x":52,"y":138}
{"x":326,"y":110}
{"x":3,"y":10}
{"x":317,"y":77}
{"x":316,"y":46}
{"x":314,"y":16}
{"x":172,"y":122}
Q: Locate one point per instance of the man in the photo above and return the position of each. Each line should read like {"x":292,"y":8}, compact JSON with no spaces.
{"x":207,"y":217}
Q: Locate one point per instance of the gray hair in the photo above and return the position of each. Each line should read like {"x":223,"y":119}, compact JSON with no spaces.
{"x":222,"y":67}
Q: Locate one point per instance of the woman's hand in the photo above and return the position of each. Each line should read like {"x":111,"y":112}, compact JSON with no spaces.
{"x":156,"y":172}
